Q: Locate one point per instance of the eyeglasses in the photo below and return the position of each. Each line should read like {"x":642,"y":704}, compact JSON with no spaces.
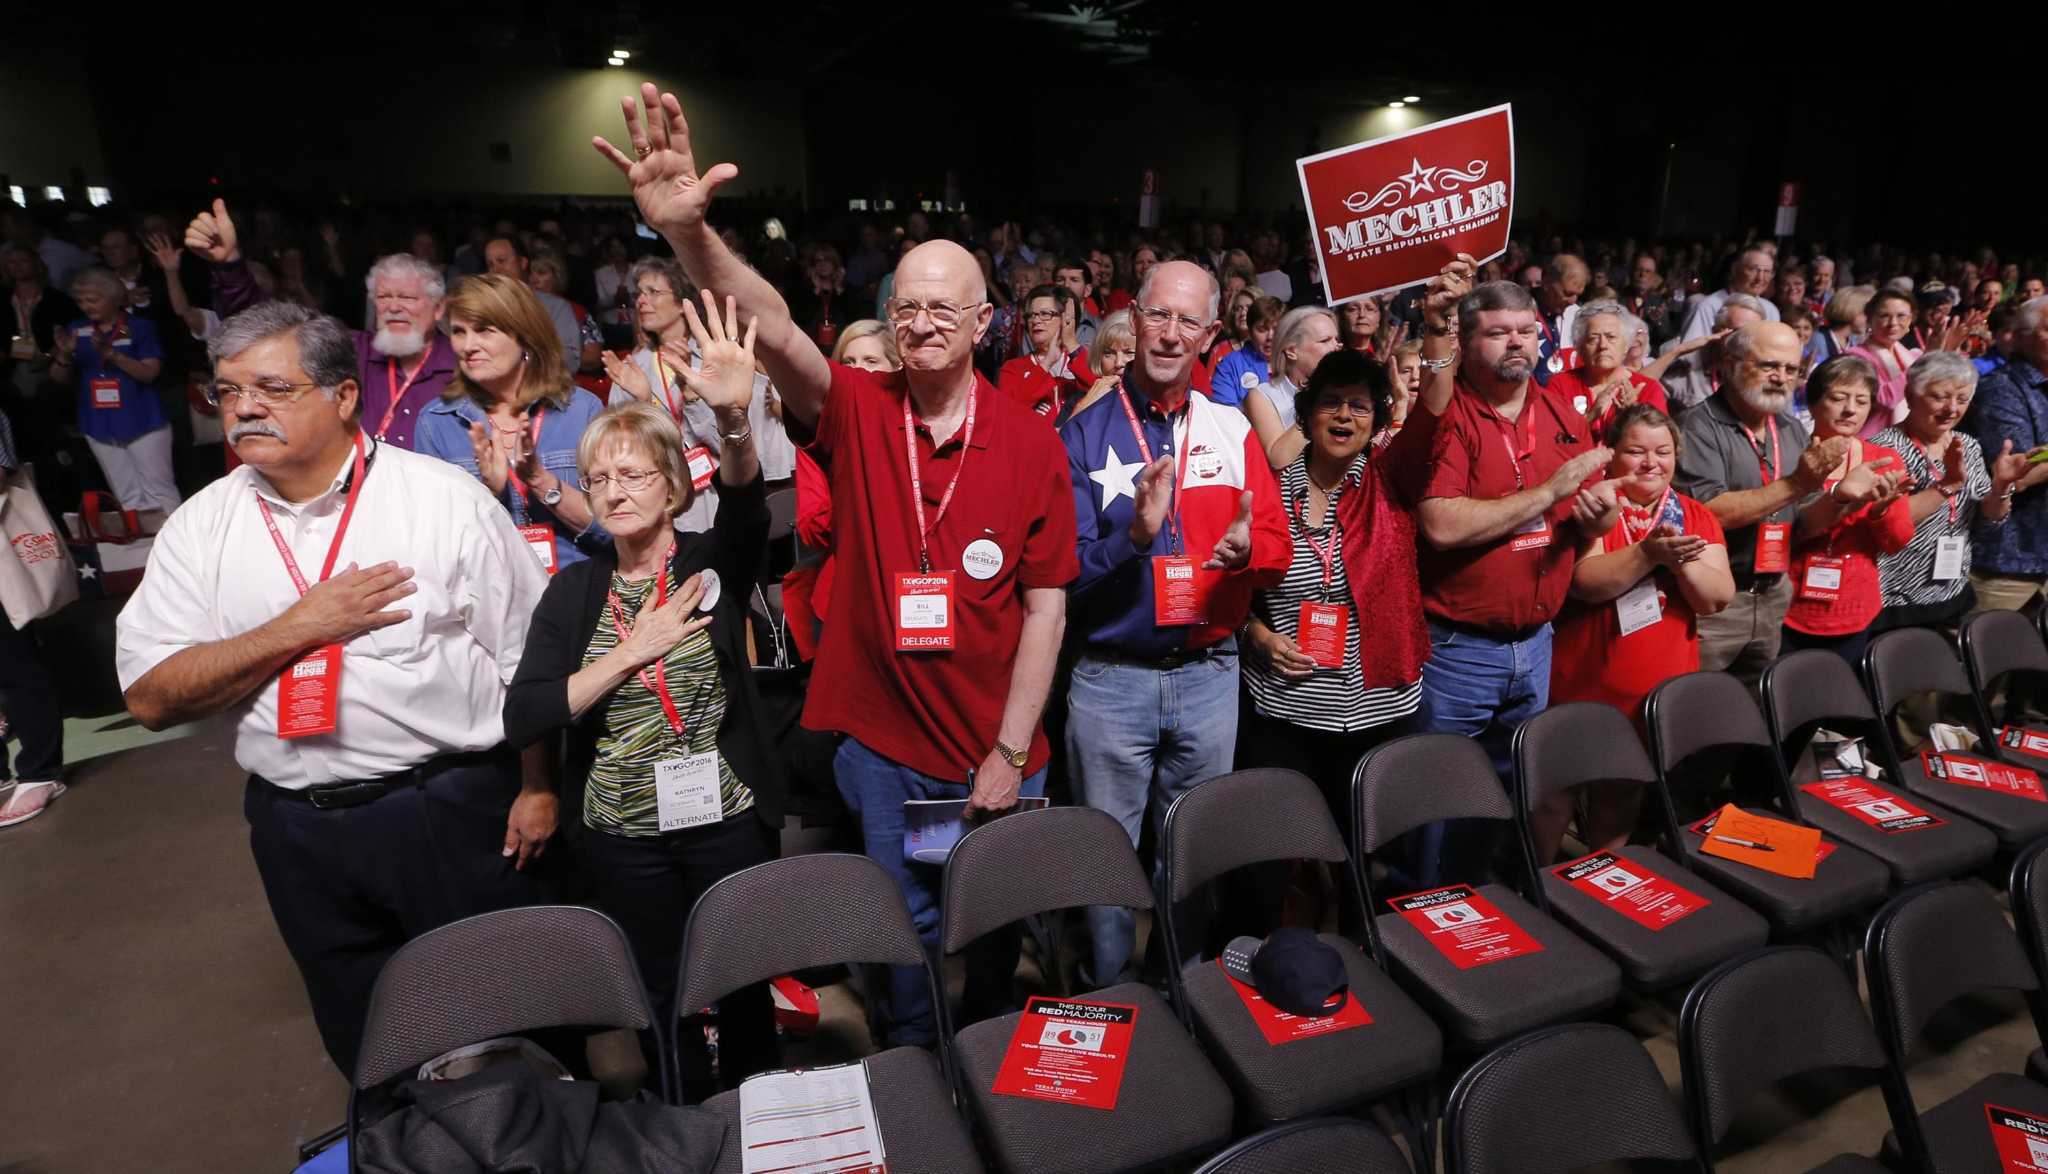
{"x":630,"y":480}
{"x":1160,"y":318}
{"x":652,"y":293}
{"x":944,"y":315}
{"x":271,"y":393}
{"x":1359,"y":407}
{"x":1041,"y":315}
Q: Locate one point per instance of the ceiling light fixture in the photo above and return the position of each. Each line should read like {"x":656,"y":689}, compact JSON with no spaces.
{"x":1396,"y":105}
{"x":621,"y":53}
{"x":1409,"y":98}
{"x":615,"y":60}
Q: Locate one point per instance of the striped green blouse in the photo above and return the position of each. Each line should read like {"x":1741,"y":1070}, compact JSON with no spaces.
{"x":619,"y":795}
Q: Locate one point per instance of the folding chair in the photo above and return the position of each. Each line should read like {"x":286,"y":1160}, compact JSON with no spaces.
{"x":2002,"y":650}
{"x":825,"y":909}
{"x":1171,"y":1105}
{"x":1710,"y":747}
{"x":1561,"y":1099}
{"x":1902,"y":664}
{"x":1814,"y":689}
{"x":1928,"y":947}
{"x":1761,"y":1018}
{"x":1252,"y":817}
{"x":1400,"y":786}
{"x":1319,"y":1143}
{"x":1581,"y":743}
{"x":497,"y":974}
{"x":2030,"y":917}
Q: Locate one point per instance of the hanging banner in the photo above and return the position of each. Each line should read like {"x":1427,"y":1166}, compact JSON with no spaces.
{"x":1390,"y":212}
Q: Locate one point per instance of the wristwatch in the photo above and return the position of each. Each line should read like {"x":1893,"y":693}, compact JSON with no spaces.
{"x":553,"y":497}
{"x":1016,"y":758}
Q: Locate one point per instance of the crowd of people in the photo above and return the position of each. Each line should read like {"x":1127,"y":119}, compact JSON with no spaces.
{"x":1108,"y":512}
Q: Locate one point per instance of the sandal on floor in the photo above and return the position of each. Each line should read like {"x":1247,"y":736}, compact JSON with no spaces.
{"x":25,"y":801}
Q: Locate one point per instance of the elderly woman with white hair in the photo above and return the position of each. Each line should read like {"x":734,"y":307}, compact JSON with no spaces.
{"x":1602,"y":384}
{"x":1954,"y":492}
{"x":1305,"y":334}
{"x":115,"y":359}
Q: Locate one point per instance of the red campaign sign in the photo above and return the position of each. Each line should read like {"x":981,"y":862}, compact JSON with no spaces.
{"x":1967,"y":770}
{"x":1068,"y":1051}
{"x":2034,"y":742}
{"x":1630,"y":889}
{"x":1465,"y":927}
{"x":1880,"y":809}
{"x":2021,"y":1138}
{"x":1821,"y":851}
{"x":1281,"y":1027}
{"x":1392,"y":211}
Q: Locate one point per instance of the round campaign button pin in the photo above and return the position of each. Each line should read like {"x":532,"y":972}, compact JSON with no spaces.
{"x":982,"y":559}
{"x":1579,"y":404}
{"x":1248,"y":381}
{"x":1556,"y":364}
{"x":709,"y":579}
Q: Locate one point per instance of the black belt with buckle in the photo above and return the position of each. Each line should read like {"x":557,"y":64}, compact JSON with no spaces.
{"x":336,"y":796}
{"x":1757,"y":582}
{"x":1172,"y":660}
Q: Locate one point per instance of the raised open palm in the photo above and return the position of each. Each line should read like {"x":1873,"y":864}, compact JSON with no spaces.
{"x":671,"y":195}
{"x":725,"y":377}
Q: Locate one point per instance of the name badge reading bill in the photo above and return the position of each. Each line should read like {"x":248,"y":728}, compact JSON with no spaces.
{"x":924,"y":612}
{"x":309,"y":693}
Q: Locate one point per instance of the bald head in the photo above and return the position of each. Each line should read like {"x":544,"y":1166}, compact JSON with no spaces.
{"x":1756,"y":339}
{"x":942,"y":270}
{"x":1182,"y":280}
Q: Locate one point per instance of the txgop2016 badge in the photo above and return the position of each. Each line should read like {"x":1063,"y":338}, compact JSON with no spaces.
{"x":1392,"y":211}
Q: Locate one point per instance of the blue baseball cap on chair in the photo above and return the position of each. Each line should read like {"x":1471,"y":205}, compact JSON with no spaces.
{"x":1292,"y":969}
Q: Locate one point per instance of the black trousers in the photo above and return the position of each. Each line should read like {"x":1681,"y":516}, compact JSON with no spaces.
{"x":28,"y":696}
{"x":648,"y":885}
{"x":350,"y":886}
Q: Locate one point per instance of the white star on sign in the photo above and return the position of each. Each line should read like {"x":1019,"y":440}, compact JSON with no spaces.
{"x":1116,"y":478}
{"x":1419,"y":177}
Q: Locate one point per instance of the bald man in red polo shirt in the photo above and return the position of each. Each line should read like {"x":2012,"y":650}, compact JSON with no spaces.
{"x":1506,"y":502}
{"x":954,"y":543}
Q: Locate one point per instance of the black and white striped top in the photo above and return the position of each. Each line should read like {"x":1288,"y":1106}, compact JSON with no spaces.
{"x":1335,"y":700}
{"x":1908,"y":576}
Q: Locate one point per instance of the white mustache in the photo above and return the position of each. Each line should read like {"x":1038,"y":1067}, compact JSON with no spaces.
{"x":254,"y":428}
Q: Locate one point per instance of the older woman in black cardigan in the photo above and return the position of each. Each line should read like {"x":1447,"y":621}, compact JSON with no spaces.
{"x":640,"y":655}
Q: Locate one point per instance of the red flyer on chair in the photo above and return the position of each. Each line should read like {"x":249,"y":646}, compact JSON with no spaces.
{"x":1465,"y":927}
{"x":1630,"y":889}
{"x":2034,"y":742}
{"x":2021,"y":1138}
{"x":1390,"y":211}
{"x":1068,"y":1051}
{"x":1879,"y":808}
{"x":1966,"y":770}
{"x":1280,"y":1027}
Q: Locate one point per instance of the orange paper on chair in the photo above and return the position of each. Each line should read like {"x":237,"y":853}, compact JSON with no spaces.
{"x":1773,"y":845}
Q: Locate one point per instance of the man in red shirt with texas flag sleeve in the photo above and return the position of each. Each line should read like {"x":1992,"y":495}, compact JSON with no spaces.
{"x":1179,"y":520}
{"x":954,"y":543}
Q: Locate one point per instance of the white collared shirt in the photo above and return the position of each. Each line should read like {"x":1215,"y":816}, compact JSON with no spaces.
{"x":432,"y":685}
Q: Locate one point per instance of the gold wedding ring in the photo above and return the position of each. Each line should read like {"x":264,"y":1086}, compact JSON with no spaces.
{"x":644,"y":152}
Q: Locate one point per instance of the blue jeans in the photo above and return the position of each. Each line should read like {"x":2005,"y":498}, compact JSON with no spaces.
{"x":1482,"y":688}
{"x":1136,"y":733}
{"x":875,"y":789}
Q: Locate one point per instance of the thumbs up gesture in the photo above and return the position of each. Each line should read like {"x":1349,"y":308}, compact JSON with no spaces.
{"x":1234,"y":549}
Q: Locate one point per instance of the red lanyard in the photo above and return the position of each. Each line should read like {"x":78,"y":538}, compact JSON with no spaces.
{"x":1511,"y":437}
{"x":102,"y":343}
{"x":23,"y":311}
{"x":1656,"y":514}
{"x":398,"y":389}
{"x":512,"y":474}
{"x":656,"y":682}
{"x":1770,"y":469}
{"x":674,"y":408}
{"x":1325,"y":555}
{"x":1937,"y":468}
{"x":924,"y":529}
{"x":1180,"y":467}
{"x":359,"y":474}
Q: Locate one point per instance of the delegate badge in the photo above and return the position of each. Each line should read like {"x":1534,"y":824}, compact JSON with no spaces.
{"x":924,"y":612}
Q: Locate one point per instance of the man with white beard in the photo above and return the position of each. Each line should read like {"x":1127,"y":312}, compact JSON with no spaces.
{"x":403,"y":360}
{"x":1746,"y":457}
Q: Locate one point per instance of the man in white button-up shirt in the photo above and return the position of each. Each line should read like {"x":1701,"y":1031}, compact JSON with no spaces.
{"x":382,"y":801}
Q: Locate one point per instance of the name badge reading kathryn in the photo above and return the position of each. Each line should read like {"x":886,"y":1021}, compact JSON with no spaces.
{"x":1639,"y":606}
{"x":1180,"y":592}
{"x":541,"y":541}
{"x":1948,"y":557}
{"x":309,"y":692}
{"x":701,"y":467}
{"x":1321,"y":631}
{"x":924,"y":612}
{"x":1823,"y":578}
{"x":1533,"y":534}
{"x":1773,"y":548}
{"x":686,"y":791}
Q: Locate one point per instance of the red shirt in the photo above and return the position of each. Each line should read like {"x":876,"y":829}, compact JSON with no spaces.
{"x":1590,"y":660}
{"x":1477,"y":454}
{"x":1857,"y":538}
{"x":807,"y":589}
{"x":1573,"y":387}
{"x":934,"y":712}
{"x":1027,"y":381}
